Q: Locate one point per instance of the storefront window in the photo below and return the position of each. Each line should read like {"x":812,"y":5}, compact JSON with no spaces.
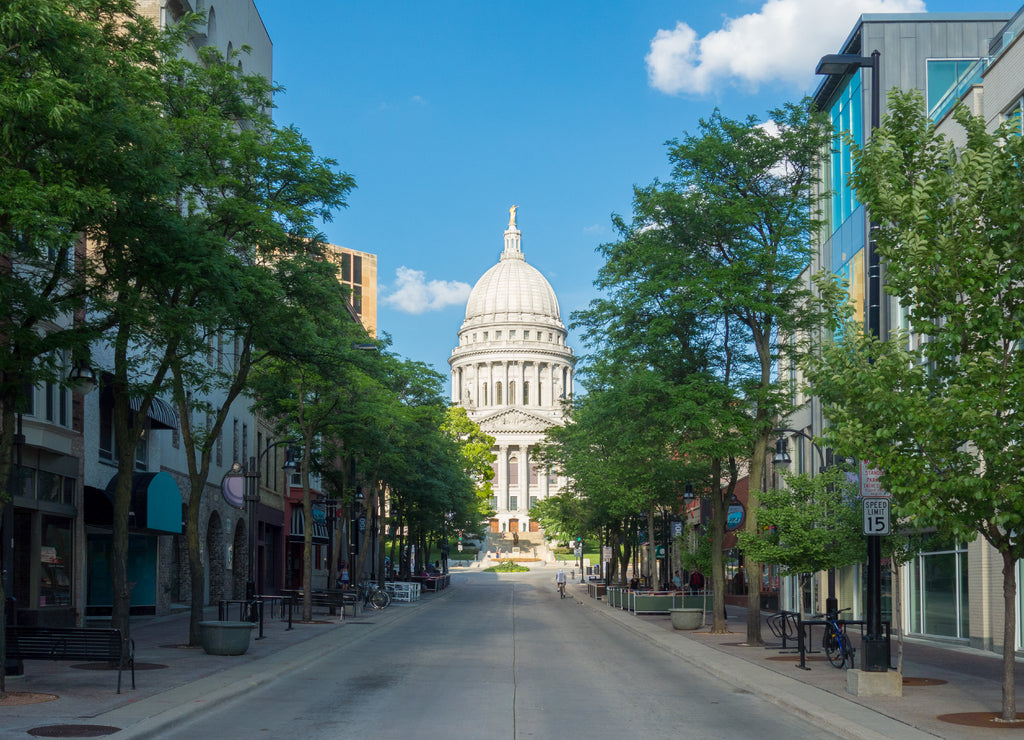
{"x":938,"y":593}
{"x":55,"y":562}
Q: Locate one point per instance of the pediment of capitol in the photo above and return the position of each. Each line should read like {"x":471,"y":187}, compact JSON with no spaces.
{"x":514,"y":420}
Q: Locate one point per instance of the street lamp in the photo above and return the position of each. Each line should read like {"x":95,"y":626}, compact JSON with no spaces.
{"x":782,"y":460}
{"x":875,"y":644}
{"x":249,"y":499}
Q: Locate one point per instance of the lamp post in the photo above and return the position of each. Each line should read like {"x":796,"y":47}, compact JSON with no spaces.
{"x":782,"y":459}
{"x":250,"y":499}
{"x":875,"y":645}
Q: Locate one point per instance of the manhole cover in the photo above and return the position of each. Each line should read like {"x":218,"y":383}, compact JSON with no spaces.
{"x":918,"y":681}
{"x":109,"y":667}
{"x":991,"y":720}
{"x":73,"y":731}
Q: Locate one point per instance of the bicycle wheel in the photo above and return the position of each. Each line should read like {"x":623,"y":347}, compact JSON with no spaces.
{"x":379,"y":599}
{"x":834,"y":648}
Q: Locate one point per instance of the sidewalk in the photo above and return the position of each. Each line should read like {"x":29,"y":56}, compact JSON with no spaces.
{"x":171,"y":679}
{"x":938,"y":680}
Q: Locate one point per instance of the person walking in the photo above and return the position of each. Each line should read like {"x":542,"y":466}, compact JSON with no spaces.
{"x":560,"y":582}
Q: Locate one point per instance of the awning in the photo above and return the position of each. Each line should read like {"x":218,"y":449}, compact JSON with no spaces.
{"x":298,"y":531}
{"x":161,"y":414}
{"x":155,"y":504}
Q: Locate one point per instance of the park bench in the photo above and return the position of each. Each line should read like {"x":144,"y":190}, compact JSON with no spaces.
{"x":72,"y":643}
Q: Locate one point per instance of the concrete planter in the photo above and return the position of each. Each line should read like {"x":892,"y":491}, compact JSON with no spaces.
{"x":687,"y":619}
{"x":225,"y":638}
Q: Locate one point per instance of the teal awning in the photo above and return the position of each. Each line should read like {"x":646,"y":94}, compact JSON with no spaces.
{"x":156,"y":502}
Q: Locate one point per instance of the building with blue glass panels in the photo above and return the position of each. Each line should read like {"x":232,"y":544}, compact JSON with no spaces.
{"x":946,"y":588}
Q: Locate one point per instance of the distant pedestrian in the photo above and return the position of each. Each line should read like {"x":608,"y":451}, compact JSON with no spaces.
{"x":343,"y":580}
{"x":696,"y":581}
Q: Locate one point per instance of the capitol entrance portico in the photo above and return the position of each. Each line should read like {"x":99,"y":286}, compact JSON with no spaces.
{"x":511,"y":372}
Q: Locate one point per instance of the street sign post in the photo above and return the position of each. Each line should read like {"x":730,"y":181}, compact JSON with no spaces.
{"x":876,"y":516}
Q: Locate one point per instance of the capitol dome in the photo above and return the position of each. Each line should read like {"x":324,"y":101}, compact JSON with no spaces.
{"x":512,"y":290}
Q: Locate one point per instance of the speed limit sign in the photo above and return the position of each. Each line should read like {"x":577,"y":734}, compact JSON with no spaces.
{"x":876,"y":516}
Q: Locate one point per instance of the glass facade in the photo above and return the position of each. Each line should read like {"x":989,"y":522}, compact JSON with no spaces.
{"x":847,"y":117}
{"x":937,"y":592}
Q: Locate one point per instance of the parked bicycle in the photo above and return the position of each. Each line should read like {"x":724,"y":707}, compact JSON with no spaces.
{"x":374,"y":596}
{"x":838,"y":648}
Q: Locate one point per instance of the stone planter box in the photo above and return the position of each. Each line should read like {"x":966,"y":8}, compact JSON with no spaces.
{"x":225,"y":638}
{"x":687,"y":619}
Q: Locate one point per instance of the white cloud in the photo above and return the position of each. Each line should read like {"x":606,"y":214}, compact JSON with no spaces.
{"x":413,"y":293}
{"x":780,"y":43}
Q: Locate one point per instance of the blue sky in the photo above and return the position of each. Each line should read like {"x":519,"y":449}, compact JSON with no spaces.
{"x":447,"y":113}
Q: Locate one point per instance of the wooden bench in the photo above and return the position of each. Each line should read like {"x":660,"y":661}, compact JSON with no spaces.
{"x":72,"y":643}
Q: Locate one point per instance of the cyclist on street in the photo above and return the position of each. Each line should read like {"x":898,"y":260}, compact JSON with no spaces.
{"x":560,"y":582}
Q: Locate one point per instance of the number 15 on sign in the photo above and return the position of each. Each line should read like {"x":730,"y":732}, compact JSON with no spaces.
{"x":876,"y":516}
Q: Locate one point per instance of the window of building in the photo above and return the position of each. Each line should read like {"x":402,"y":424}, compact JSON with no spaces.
{"x":533,"y":501}
{"x":346,"y":267}
{"x":513,"y":472}
{"x":485,"y":336}
{"x":847,"y":119}
{"x":526,"y":393}
{"x":142,"y":452}
{"x":511,"y":333}
{"x":484,"y":400}
{"x":357,"y":269}
{"x":937,"y":590}
{"x":551,"y":337}
{"x":552,"y":479}
{"x":511,"y":391}
{"x":234,"y":440}
{"x":513,"y":503}
{"x":532,"y":467}
{"x":947,"y":81}
{"x":526,"y":333}
{"x":497,"y":394}
{"x":55,"y":556}
{"x":497,"y":335}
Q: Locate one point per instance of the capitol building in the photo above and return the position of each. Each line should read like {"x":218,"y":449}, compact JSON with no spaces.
{"x":511,"y":372}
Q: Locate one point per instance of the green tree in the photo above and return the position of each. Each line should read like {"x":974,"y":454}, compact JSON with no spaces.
{"x":738,"y":206}
{"x":305,"y":396}
{"x":812,"y":525}
{"x":77,"y":80}
{"x":477,"y":460}
{"x":941,"y":415}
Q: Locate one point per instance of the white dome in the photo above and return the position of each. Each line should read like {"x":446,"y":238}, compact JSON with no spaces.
{"x":512,"y":291}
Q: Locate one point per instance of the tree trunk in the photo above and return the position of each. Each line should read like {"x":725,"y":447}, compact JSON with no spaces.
{"x":307,"y":540}
{"x":1009,"y":633}
{"x":365,"y":540}
{"x":196,"y":576}
{"x":753,"y":567}
{"x":897,"y":612}
{"x":652,"y":562}
{"x":718,"y":511}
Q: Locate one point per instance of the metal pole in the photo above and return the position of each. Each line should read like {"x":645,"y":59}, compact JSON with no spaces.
{"x":876,"y":647}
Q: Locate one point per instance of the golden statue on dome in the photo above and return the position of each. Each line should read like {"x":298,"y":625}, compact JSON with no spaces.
{"x":512,"y":217}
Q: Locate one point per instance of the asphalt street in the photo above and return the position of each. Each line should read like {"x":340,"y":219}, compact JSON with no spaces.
{"x":496,"y":657}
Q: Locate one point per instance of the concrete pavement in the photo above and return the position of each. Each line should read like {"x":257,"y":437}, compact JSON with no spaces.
{"x":173,"y":681}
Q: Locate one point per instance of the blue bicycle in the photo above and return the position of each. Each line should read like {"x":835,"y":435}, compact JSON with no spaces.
{"x":836,"y":642}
